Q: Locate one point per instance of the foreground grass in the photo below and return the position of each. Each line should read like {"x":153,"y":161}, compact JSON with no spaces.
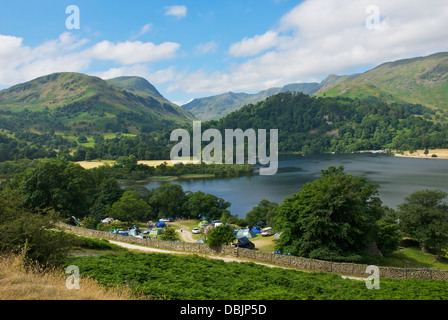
{"x":22,"y":281}
{"x":197,"y":278}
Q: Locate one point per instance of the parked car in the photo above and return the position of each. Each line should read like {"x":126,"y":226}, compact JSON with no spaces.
{"x":218,"y":223}
{"x":266,"y":232}
{"x":196,"y":230}
{"x":166,"y":220}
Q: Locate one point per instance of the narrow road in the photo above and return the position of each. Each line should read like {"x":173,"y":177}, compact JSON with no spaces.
{"x":224,"y":258}
{"x":185,"y":234}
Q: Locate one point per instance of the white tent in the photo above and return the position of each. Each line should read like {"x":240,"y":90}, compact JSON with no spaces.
{"x":248,"y":233}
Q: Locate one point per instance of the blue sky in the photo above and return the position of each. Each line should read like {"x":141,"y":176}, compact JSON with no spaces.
{"x":197,"y":48}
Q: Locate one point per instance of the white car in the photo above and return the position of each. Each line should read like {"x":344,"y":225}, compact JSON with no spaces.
{"x":218,"y":223}
{"x":196,"y":230}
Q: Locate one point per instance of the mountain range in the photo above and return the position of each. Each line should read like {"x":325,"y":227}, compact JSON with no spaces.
{"x":216,"y":107}
{"x":74,"y":102}
{"x":422,"y":80}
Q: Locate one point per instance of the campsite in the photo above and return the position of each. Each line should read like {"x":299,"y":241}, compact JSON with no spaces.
{"x":196,"y":231}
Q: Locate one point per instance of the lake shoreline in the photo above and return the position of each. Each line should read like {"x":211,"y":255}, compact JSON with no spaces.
{"x":177,"y":178}
{"x":441,"y":154}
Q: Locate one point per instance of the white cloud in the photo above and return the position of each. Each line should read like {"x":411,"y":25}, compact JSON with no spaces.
{"x":20,"y":63}
{"x":139,"y":70}
{"x":133,"y":52}
{"x":144,"y":30}
{"x":313,"y":40}
{"x":321,"y":37}
{"x":68,"y":53}
{"x":12,"y":52}
{"x":253,"y":46}
{"x":176,"y":11}
{"x":208,"y":47}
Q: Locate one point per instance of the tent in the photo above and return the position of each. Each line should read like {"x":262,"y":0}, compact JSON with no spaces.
{"x":248,"y":233}
{"x":203,"y":223}
{"x":160,"y":224}
{"x":134,"y":231}
{"x":107,"y":220}
{"x":244,"y":242}
{"x":256,"y":230}
{"x":156,"y":232}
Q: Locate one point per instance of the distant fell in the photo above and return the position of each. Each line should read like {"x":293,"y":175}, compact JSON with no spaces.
{"x":138,"y":85}
{"x":218,"y":106}
{"x":78,"y":103}
{"x":421,"y":80}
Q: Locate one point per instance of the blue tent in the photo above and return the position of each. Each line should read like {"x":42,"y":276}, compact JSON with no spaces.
{"x":244,"y":242}
{"x":256,"y":230}
{"x":160,"y":224}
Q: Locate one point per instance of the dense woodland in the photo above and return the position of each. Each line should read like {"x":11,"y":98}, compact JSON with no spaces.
{"x":318,"y":125}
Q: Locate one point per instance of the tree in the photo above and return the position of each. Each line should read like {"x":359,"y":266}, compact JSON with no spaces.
{"x":331,"y":218}
{"x":389,"y":236}
{"x":200,"y":205}
{"x":110,"y":192}
{"x":33,"y":233}
{"x":220,"y":235}
{"x":82,"y":139}
{"x":263,"y":214}
{"x":68,"y":188}
{"x":424,"y":217}
{"x":168,"y":200}
{"x":143,"y":192}
{"x":130,"y":208}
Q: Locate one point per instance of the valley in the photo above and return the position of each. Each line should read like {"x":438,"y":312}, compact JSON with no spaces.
{"x":84,"y":149}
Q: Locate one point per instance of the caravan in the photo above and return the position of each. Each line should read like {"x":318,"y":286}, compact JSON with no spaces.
{"x":266,"y":232}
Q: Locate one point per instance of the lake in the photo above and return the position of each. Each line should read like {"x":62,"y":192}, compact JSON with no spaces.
{"x":397,"y":178}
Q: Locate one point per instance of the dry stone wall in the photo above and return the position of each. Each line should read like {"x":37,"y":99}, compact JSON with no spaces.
{"x":283,"y":260}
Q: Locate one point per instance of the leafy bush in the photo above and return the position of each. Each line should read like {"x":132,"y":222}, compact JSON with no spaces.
{"x":96,"y":244}
{"x":33,"y":233}
{"x":220,"y":235}
{"x":169,"y":235}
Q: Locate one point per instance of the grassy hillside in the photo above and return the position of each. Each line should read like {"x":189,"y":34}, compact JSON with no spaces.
{"x":76,"y":103}
{"x":422,"y":80}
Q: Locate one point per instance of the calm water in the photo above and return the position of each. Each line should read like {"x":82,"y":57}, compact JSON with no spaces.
{"x":397,"y":177}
